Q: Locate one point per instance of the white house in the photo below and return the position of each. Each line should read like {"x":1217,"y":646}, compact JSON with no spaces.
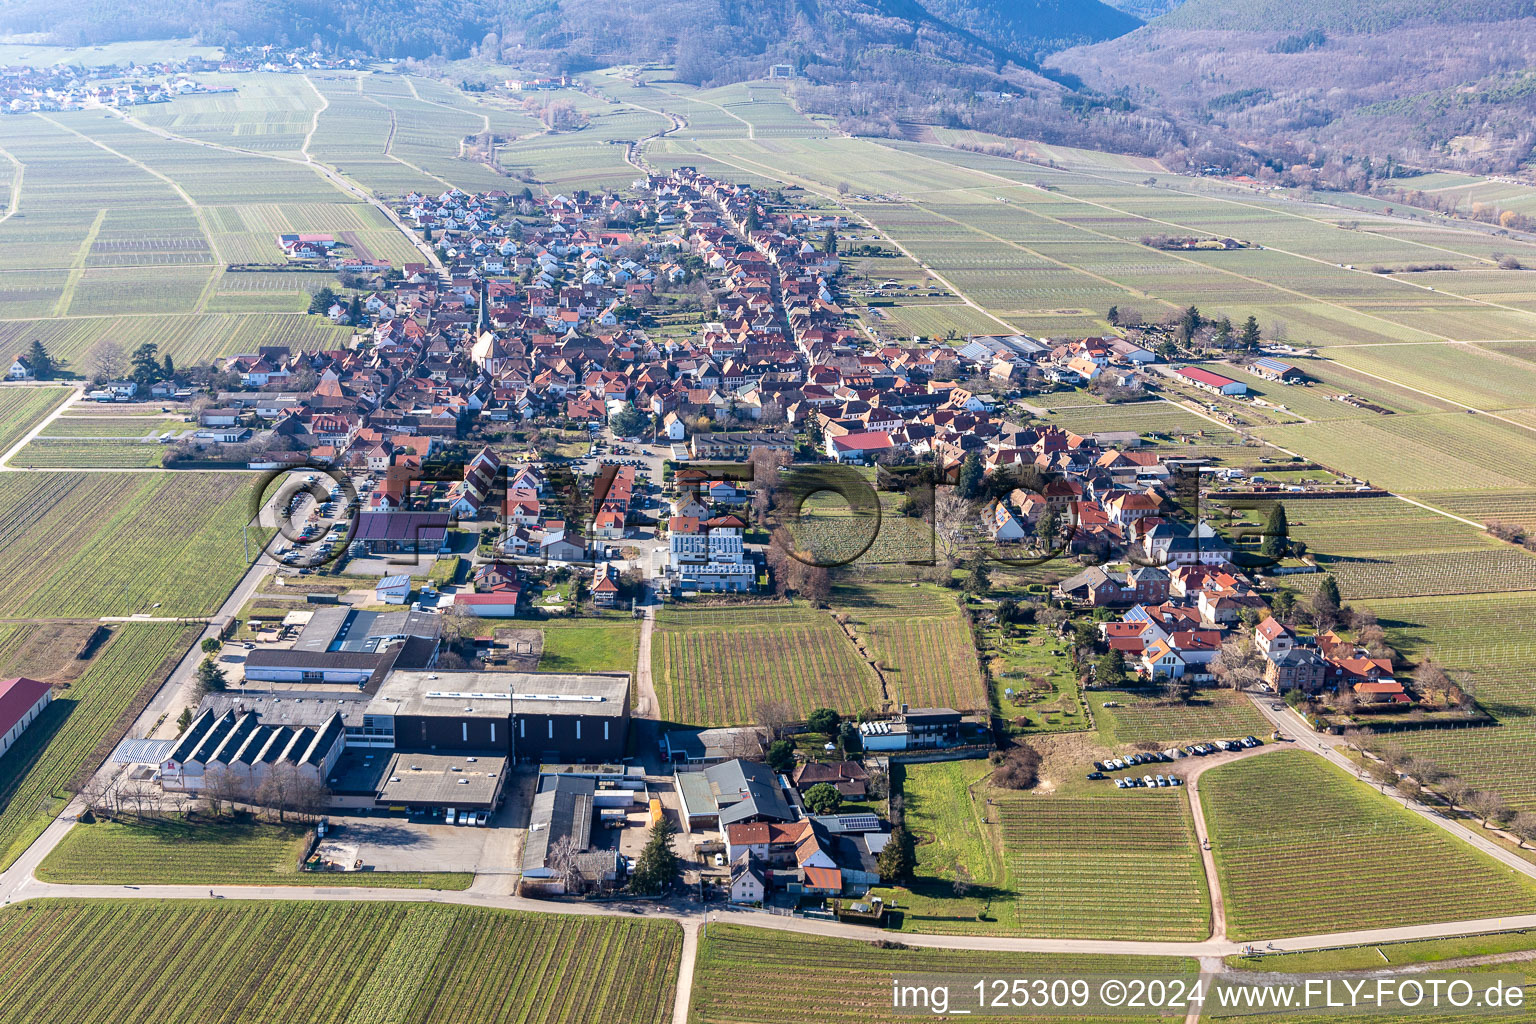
{"x":748,"y":884}
{"x":1004,"y":525}
{"x":20,"y":369}
{"x":672,"y":426}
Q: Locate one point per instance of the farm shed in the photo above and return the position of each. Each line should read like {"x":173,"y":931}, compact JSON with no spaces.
{"x":1213,"y":382}
{"x":21,"y":701}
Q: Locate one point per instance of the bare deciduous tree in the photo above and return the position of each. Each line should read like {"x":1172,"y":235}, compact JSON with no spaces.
{"x":952,"y":518}
{"x":105,"y":359}
{"x":222,"y":789}
{"x":1524,"y":827}
{"x":563,"y":862}
{"x":1488,"y":806}
{"x":1456,"y":792}
{"x":1239,"y":665}
{"x":775,"y":716}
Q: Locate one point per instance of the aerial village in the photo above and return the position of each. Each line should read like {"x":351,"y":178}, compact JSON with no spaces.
{"x":553,"y":414}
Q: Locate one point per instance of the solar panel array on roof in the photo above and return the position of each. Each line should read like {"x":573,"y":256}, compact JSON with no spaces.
{"x":424,"y":527}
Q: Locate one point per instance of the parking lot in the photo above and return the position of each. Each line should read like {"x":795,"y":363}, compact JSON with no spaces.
{"x":398,"y":844}
{"x":1149,"y":765}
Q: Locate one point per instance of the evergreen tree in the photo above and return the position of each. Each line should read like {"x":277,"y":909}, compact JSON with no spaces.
{"x":1113,"y":316}
{"x":1276,"y":533}
{"x":970,"y":476}
{"x":145,"y":364}
{"x":823,"y":720}
{"x":829,"y":241}
{"x":1223,"y":337}
{"x":823,"y":798}
{"x":656,"y":866}
{"x":979,"y":581}
{"x":322,"y":300}
{"x":43,"y":366}
{"x":1250,"y":335}
{"x":1328,"y":592}
{"x":1047,"y":526}
{"x":628,"y":421}
{"x":168,"y":365}
{"x":210,"y":678}
{"x":781,"y":755}
{"x":1189,"y":324}
{"x":895,"y":861}
{"x":1110,"y":670}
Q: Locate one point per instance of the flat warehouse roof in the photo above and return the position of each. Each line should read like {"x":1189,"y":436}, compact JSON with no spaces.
{"x":402,"y":526}
{"x":483,"y":694}
{"x":440,"y":780}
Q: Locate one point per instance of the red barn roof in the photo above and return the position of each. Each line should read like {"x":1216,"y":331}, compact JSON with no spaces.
{"x":16,"y":698}
{"x":1206,"y":377}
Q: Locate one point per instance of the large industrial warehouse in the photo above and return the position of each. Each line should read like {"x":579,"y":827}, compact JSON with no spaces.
{"x":412,"y":717}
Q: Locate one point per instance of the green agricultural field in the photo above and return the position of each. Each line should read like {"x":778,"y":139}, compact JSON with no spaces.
{"x":1396,"y":953}
{"x":919,"y":641}
{"x":1209,"y":715}
{"x":89,"y":544}
{"x":131,"y":962}
{"x":1444,"y":451}
{"x":590,"y":645}
{"x":207,"y":853}
{"x":753,"y":976}
{"x":79,"y":728}
{"x":1485,"y":377}
{"x":89,"y":453}
{"x":1292,"y":866}
{"x":961,"y":883}
{"x":1068,"y":887}
{"x":1485,"y":639}
{"x":1517,"y":508}
{"x":187,"y":338}
{"x":22,"y":407}
{"x":1383,"y":547}
{"x":135,"y":428}
{"x":715,"y":665}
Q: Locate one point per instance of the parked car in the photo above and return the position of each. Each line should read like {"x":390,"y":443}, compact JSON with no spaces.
{"x":1097,"y":775}
{"x":482,"y":818}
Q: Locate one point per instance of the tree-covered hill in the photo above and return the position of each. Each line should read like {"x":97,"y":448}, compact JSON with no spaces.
{"x":1341,"y":16}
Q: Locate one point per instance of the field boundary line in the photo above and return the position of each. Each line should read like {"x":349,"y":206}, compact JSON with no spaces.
{"x":77,"y":265}
{"x":1085,"y":172}
{"x":15,"y":201}
{"x":1206,"y":266}
{"x":1442,"y":398}
{"x":39,"y":427}
{"x":186,"y":197}
{"x":314,"y":121}
{"x":389,"y":143}
{"x":485,"y":119}
{"x":751,"y":128}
